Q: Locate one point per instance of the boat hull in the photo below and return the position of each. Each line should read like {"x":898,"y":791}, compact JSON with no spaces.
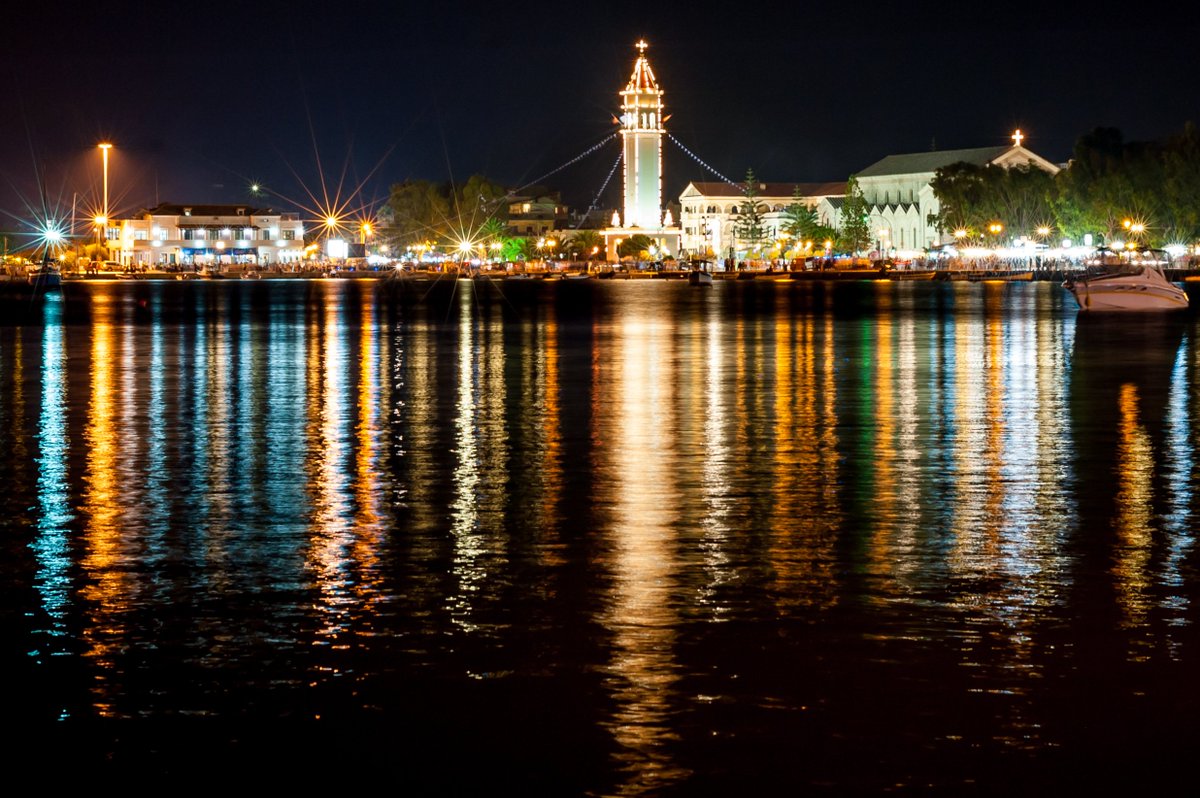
{"x":1147,"y":291}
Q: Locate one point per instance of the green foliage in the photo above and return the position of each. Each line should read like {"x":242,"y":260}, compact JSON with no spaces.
{"x":973,"y":197}
{"x":821,"y":234}
{"x":492,"y":230}
{"x":636,"y":246}
{"x":800,"y":220}
{"x":854,"y":221}
{"x":518,"y":249}
{"x":422,"y":210}
{"x":479,"y":200}
{"x":581,"y":243}
{"x":749,"y":228}
{"x":1110,"y":181}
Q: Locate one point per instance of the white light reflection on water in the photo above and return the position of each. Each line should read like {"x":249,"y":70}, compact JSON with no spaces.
{"x":1179,"y":465}
{"x":155,"y":473}
{"x":370,"y":533}
{"x":331,"y":533}
{"x":469,"y":541}
{"x":714,"y":423}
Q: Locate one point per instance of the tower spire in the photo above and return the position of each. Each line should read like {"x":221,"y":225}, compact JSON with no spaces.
{"x":641,"y":132}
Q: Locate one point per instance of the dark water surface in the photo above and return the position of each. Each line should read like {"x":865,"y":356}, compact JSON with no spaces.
{"x":601,"y":537}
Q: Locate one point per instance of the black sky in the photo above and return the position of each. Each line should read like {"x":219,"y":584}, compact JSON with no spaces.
{"x":202,"y":99}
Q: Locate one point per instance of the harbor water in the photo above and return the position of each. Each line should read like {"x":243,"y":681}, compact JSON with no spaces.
{"x":600,"y":537}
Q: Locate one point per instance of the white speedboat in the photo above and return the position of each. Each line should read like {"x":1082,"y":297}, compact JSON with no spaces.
{"x":700,"y":278}
{"x":1127,"y":288}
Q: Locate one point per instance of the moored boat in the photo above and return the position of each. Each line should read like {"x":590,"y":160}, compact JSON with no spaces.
{"x":1126,"y":287}
{"x":45,"y":276}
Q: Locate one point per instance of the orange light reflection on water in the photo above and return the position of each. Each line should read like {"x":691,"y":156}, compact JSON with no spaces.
{"x":639,"y":411}
{"x":104,"y":580}
{"x":1135,"y":469}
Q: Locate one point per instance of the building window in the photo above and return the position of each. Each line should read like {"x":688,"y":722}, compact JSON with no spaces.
{"x":289,"y":235}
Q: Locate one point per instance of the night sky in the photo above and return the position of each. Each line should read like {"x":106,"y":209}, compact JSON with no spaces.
{"x":202,"y":100}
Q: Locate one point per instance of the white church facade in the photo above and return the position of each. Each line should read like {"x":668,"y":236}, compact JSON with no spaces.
{"x":897,"y":190}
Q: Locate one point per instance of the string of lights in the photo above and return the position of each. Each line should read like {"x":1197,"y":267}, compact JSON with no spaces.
{"x":574,"y":160}
{"x":604,"y":185}
{"x":696,"y":158}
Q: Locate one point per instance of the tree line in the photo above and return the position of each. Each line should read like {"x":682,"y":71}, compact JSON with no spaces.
{"x":1148,"y":192}
{"x":801,"y":224}
{"x":429,"y":213}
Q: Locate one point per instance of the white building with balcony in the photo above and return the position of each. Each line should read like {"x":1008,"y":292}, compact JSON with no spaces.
{"x":709,"y":212}
{"x":194,"y":235}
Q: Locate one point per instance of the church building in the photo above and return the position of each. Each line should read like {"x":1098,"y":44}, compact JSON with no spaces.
{"x":901,"y":200}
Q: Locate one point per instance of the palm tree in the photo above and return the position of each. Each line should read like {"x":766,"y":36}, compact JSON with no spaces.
{"x":634,"y":246}
{"x":585,"y":243}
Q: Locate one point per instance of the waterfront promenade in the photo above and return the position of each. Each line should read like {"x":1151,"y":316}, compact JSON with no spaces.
{"x":931,"y":271}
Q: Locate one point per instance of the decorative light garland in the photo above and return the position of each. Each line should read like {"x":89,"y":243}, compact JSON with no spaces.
{"x":596,"y":199}
{"x":574,"y":160}
{"x":696,"y":158}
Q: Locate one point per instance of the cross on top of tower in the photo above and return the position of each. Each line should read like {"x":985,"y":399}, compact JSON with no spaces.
{"x":641,"y":45}
{"x":1018,"y":137}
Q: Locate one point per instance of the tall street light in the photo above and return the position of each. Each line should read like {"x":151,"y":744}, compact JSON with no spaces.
{"x":104,"y":148}
{"x":102,"y":219}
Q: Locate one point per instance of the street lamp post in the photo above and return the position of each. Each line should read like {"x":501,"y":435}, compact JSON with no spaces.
{"x":104,"y":148}
{"x":102,"y":218}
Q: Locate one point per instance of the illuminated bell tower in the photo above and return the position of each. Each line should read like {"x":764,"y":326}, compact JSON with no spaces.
{"x":641,"y":134}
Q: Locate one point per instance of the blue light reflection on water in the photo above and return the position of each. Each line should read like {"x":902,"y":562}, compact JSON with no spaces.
{"x":51,"y":547}
{"x":690,"y":533}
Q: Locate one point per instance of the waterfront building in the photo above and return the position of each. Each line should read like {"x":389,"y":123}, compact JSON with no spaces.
{"x":536,"y":215}
{"x":709,"y":212}
{"x":199,"y":234}
{"x":897,"y":189}
{"x":642,"y":129}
